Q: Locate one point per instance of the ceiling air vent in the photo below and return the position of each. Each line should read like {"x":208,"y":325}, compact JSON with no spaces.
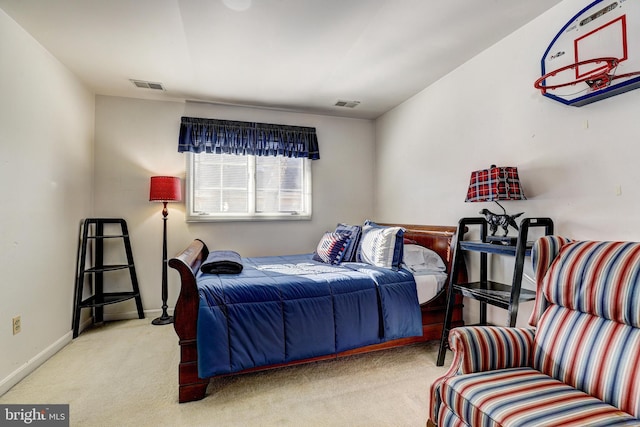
{"x":347,"y":104}
{"x":147,"y":85}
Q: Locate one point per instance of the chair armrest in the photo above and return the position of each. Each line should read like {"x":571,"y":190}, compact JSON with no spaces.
{"x":483,"y":348}
{"x":487,"y":348}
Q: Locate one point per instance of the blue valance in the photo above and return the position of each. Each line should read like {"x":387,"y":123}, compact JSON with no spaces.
{"x":247,"y":138}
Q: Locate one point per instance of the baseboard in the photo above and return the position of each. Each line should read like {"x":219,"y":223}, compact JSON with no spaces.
{"x":31,"y":365}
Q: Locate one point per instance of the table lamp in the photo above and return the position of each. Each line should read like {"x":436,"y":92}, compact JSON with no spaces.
{"x":493,"y":185}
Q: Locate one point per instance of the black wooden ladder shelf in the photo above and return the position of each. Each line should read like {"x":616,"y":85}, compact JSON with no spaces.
{"x":93,"y":230}
{"x":487,"y":291}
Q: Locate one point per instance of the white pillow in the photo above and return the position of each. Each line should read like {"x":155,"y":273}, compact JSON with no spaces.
{"x":420,"y":259}
{"x":378,"y":246}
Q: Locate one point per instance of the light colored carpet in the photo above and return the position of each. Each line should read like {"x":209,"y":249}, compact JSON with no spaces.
{"x":125,"y":374}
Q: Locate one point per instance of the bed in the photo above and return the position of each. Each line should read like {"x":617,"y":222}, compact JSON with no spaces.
{"x":303,"y":311}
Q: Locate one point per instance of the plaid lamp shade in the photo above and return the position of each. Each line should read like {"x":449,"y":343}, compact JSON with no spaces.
{"x":493,"y":184}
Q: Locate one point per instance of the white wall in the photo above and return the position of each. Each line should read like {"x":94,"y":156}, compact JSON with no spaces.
{"x":137,"y":139}
{"x":570,"y":159}
{"x":46,"y":140}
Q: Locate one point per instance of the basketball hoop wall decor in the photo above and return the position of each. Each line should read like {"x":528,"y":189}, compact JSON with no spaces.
{"x":595,"y":55}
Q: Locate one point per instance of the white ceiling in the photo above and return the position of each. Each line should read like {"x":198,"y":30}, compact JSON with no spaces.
{"x":301,"y":55}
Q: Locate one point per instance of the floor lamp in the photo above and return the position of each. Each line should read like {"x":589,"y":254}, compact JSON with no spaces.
{"x":164,"y":189}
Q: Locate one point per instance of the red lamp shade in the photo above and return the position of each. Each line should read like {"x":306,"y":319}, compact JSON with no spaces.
{"x":165,"y":189}
{"x":494,"y":184}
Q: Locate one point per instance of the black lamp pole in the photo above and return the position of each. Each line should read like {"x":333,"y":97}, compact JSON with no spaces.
{"x":165,"y":319}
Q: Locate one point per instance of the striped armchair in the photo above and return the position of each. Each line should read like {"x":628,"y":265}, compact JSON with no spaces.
{"x":579,"y":363}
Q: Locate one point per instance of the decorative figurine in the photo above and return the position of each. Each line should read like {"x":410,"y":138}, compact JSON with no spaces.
{"x":502,"y":220}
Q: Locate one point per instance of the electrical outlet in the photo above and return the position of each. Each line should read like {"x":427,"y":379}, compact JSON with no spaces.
{"x":17,"y":325}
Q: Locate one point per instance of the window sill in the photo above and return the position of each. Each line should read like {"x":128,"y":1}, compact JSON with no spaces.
{"x":216,"y":218}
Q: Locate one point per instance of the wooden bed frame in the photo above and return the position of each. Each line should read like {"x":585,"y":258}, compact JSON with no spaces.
{"x":191,"y":387}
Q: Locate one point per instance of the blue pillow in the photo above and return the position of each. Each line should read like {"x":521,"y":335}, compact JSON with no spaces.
{"x":381,"y":246}
{"x":331,"y":247}
{"x":352,"y":246}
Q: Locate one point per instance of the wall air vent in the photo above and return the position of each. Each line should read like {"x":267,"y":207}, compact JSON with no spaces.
{"x":147,"y":85}
{"x":347,"y":104}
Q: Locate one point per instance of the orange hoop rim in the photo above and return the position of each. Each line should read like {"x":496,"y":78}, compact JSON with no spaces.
{"x":611,"y":64}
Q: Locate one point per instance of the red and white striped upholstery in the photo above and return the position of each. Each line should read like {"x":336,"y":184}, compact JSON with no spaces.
{"x":580,"y":367}
{"x":543,"y":253}
{"x":479,"y":349}
{"x":526,"y":397}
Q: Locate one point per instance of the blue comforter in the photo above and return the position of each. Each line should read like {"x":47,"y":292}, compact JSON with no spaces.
{"x":282,"y":309}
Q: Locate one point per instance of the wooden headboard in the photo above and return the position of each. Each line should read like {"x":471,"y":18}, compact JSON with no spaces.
{"x":438,"y":238}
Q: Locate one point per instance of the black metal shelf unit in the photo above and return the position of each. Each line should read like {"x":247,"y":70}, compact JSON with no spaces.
{"x":488,"y":291}
{"x":93,"y":230}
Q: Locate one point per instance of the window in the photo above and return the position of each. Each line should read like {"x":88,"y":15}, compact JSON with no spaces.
{"x":234,"y":187}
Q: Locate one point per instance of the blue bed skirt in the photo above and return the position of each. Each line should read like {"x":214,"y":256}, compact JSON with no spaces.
{"x":287,"y":308}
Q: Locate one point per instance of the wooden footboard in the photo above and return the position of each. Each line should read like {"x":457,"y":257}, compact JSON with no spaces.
{"x":185,"y":316}
{"x":187,"y":263}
